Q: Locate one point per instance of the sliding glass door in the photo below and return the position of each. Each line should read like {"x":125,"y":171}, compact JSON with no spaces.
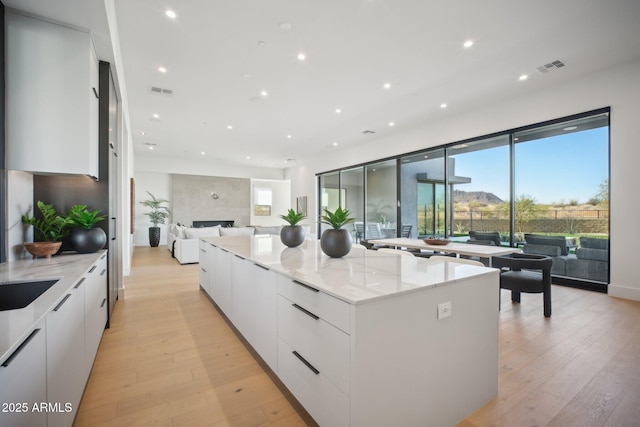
{"x":381,"y":200}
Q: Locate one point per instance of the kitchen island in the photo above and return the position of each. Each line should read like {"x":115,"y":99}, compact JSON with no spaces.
{"x":368,"y":339}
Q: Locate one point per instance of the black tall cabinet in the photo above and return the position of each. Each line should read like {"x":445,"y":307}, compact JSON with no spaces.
{"x":64,"y":191}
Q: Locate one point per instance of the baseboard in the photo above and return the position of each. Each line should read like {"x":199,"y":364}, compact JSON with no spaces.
{"x":624,"y":292}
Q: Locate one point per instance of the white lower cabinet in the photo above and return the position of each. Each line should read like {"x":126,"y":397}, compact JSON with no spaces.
{"x":95,"y":310}
{"x":65,"y":356}
{"x":324,"y":402}
{"x":205,"y":264}
{"x":23,"y":376}
{"x":254,"y":307}
{"x":220,"y":280}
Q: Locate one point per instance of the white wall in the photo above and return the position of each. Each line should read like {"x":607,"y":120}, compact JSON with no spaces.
{"x":280,"y":200}
{"x":618,"y":88}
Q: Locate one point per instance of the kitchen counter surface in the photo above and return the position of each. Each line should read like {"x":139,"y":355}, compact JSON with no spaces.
{"x":360,"y":276}
{"x":16,"y":325}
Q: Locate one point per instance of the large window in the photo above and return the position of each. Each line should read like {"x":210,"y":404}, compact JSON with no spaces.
{"x":543,"y":188}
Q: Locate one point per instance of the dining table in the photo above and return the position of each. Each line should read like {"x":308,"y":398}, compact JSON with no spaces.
{"x":457,"y":248}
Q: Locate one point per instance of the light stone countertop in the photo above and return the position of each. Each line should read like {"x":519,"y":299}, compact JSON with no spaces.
{"x":358,"y":277}
{"x":16,"y":325}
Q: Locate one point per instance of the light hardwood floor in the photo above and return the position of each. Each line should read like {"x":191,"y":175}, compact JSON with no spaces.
{"x":170,"y":359}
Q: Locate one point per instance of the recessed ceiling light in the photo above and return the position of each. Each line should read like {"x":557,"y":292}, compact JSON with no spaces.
{"x":156,"y":116}
{"x":143,"y":133}
{"x":248,"y":157}
{"x":443,"y":105}
{"x":229,"y":127}
{"x":392,"y":124}
{"x":523,"y":77}
{"x":261,"y":43}
{"x":302,"y":56}
{"x":335,"y":144}
{"x":289,"y":137}
{"x":338,"y":111}
{"x":285,"y":26}
{"x":264,"y":93}
{"x":468,"y":43}
{"x":386,"y":85}
{"x":246,"y":75}
{"x":202,"y":153}
{"x":570,"y":128}
{"x":171,"y":14}
{"x":162,"y":69}
{"x":151,"y":147}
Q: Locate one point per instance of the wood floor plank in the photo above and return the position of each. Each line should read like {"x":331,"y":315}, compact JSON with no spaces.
{"x":171,"y":359}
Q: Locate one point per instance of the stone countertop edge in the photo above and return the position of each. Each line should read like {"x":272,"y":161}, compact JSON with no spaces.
{"x":351,"y":293}
{"x":16,"y":325}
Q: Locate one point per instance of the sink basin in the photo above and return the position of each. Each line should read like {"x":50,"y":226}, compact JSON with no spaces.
{"x":14,"y":295}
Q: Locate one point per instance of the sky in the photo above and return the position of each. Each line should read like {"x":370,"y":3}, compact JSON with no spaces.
{"x":551,"y":170}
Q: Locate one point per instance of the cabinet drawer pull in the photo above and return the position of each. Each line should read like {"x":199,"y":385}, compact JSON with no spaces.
{"x":261,"y":266}
{"x":104,"y":301}
{"x":202,"y":250}
{"x":79,"y":283}
{"x":224,"y":250}
{"x":62,"y":302}
{"x":103,"y":256}
{"x":93,"y":268}
{"x":307,"y":364}
{"x":307,"y":312}
{"x":203,"y":269}
{"x":95,"y":92}
{"x":238,"y":256}
{"x":19,"y":349}
{"x":103,"y":271}
{"x":305,"y":286}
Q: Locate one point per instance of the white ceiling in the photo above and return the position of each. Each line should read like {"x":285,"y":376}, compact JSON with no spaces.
{"x":353,"y":47}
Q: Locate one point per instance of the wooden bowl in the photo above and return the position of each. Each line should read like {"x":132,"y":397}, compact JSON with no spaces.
{"x":440,"y":242}
{"x":45,"y":249}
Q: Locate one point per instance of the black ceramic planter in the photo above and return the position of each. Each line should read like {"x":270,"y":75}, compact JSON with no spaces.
{"x":292,"y":235}
{"x":86,"y":241}
{"x":335,"y":243}
{"x":154,"y":236}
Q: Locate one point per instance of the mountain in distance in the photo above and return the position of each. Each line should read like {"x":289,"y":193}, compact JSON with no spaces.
{"x":476,"y":196}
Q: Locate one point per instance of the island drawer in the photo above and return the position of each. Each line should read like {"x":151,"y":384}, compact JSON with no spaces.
{"x":324,"y":402}
{"x":328,"y":308}
{"x":324,"y":346}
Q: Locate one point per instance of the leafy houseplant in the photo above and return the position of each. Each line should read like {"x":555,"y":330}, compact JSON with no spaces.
{"x":292,"y":235}
{"x":84,"y":238}
{"x":157,"y":215}
{"x":336,"y":241}
{"x":50,"y":230}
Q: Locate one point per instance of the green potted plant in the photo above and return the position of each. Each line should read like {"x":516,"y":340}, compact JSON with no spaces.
{"x":157,"y":215}
{"x":336,"y":241}
{"x":84,"y":237}
{"x":48,"y":231}
{"x":292,"y":235}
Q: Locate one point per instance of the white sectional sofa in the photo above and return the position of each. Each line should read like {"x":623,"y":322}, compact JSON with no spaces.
{"x":183,"y":242}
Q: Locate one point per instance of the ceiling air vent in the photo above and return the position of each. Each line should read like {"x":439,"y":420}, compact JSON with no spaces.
{"x":550,"y":66}
{"x":368,"y":132}
{"x":161,"y":91}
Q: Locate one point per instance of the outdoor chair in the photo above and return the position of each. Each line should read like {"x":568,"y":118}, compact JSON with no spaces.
{"x":405,"y":231}
{"x":484,"y":238}
{"x":526,"y":273}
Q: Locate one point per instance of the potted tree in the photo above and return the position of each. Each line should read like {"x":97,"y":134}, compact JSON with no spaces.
{"x":336,"y":241}
{"x":49,"y":231}
{"x":84,"y":237}
{"x":292,"y":235}
{"x":157,"y":215}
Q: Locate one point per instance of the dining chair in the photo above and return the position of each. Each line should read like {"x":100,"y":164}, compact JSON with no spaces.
{"x":526,"y":273}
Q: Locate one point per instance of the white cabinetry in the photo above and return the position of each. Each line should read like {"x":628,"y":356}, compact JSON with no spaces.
{"x":52,"y":98}
{"x":23,"y":376}
{"x":95,"y":310}
{"x":221,"y":280}
{"x":254,"y":307}
{"x":65,"y":355}
{"x":205,"y":264}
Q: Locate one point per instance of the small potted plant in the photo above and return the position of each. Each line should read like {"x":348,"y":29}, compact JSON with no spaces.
{"x":49,"y":231}
{"x":292,"y":235}
{"x":84,"y":237}
{"x":157,"y":215}
{"x":336,"y":241}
